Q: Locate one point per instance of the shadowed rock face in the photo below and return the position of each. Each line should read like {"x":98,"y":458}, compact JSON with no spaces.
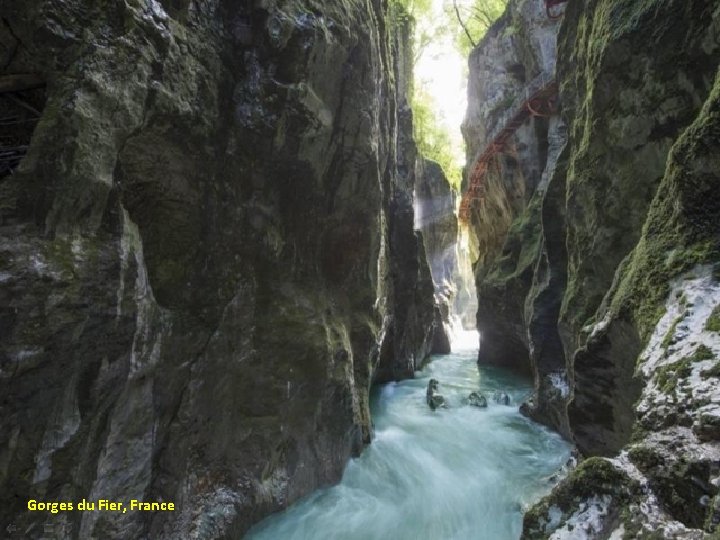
{"x":602,"y":278}
{"x":435,"y":218}
{"x":204,"y":254}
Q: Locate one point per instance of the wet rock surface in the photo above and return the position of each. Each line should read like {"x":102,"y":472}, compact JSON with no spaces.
{"x":435,"y":202}
{"x":206,"y":257}
{"x":598,"y":252}
{"x":477,"y":400}
{"x":433,"y":398}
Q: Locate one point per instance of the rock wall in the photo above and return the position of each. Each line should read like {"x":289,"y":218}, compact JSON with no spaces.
{"x":506,"y":236}
{"x":602,"y":277}
{"x":206,"y":254}
{"x":435,"y":202}
{"x":448,"y":252}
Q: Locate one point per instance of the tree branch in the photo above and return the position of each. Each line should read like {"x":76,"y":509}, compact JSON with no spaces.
{"x":462,"y":24}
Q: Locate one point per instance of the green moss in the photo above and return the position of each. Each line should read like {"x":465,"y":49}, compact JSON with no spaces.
{"x":639,"y":433}
{"x":594,"y":476}
{"x":644,"y":458}
{"x":667,"y":376}
{"x":714,"y":371}
{"x":670,"y":476}
{"x":680,"y":231}
{"x":700,"y":403}
{"x":712,"y":521}
{"x":702,"y":353}
{"x":669,"y":338}
{"x":522,"y":245}
{"x":713,"y":322}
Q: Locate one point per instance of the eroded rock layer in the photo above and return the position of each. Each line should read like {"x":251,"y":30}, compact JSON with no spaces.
{"x":598,"y":256}
{"x":207,"y":255}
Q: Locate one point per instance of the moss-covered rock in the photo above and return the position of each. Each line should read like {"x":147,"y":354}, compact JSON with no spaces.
{"x":713,"y":322}
{"x":203,"y":254}
{"x":679,"y":483}
{"x":616,"y":313}
{"x":595,"y":485}
{"x":506,"y":230}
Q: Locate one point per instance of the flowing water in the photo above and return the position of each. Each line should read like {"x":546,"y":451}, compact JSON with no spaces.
{"x":461,"y":473}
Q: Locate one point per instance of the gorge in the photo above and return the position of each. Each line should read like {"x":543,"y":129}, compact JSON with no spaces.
{"x":227,"y":273}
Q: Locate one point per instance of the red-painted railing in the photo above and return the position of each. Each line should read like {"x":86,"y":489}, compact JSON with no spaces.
{"x":539,"y":99}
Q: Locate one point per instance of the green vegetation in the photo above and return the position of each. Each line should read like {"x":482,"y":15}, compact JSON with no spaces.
{"x":462,"y":23}
{"x":469,"y":21}
{"x":668,"y":475}
{"x":416,"y":8}
{"x":669,"y":375}
{"x":702,"y":353}
{"x":466,"y":21}
{"x":714,"y":371}
{"x":594,"y":476}
{"x":522,"y":244}
{"x":713,"y":322}
{"x":433,"y":140}
{"x":669,"y":338}
{"x":645,"y":458}
{"x":673,"y":242}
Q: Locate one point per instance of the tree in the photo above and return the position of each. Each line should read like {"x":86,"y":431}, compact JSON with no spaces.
{"x":432,"y":139}
{"x":471,"y":20}
{"x":465,"y":23}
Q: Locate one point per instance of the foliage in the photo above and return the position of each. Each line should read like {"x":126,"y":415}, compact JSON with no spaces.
{"x":416,"y":8}
{"x":466,"y":21}
{"x":470,"y":20}
{"x":713,"y":322}
{"x":459,"y":18}
{"x":432,"y":139}
{"x":425,"y":28}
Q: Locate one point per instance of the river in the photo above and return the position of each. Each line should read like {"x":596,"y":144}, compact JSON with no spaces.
{"x":461,"y":473}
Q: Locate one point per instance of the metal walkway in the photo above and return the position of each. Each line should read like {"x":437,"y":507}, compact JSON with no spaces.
{"x":539,"y":99}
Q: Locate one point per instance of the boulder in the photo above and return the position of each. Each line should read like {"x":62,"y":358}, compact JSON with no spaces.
{"x":476,"y":399}
{"x":501,"y":397}
{"x":434,"y":400}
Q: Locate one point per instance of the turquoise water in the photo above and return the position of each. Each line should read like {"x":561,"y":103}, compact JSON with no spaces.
{"x":460,"y":473}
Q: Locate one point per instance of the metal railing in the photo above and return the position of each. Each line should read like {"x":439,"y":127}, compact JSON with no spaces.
{"x":537,"y":84}
{"x":540,"y":90}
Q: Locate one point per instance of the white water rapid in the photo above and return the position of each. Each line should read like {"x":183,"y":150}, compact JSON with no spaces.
{"x":461,"y":473}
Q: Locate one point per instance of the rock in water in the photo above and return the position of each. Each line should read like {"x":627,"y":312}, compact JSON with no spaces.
{"x":477,"y":400}
{"x":434,"y":400}
{"x":501,"y":397}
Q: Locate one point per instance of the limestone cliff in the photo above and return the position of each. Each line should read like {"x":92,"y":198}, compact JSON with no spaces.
{"x":206,"y":253}
{"x":435,"y":218}
{"x":505,"y":231}
{"x":600,"y":275}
